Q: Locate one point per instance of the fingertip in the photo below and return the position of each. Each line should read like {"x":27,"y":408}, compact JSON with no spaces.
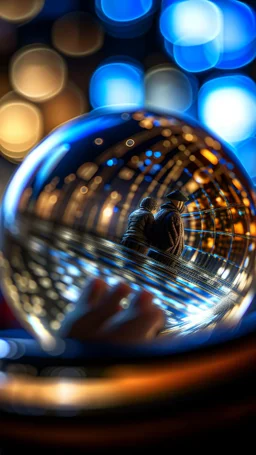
{"x":144,"y":301}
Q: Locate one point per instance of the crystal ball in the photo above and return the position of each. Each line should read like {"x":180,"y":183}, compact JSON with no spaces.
{"x":66,"y":209}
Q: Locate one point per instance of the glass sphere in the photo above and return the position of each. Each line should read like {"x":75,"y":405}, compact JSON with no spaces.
{"x":66,"y":209}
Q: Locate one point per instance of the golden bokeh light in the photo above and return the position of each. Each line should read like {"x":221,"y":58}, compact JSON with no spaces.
{"x":21,"y":126}
{"x":77,"y":34}
{"x":38,"y":73}
{"x":20,"y":10}
{"x":209,"y":156}
{"x":69,"y":103}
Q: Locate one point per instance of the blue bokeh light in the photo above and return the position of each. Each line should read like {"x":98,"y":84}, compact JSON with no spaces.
{"x":227,"y":106}
{"x":117,"y":84}
{"x":126,"y":19}
{"x":246,"y":153}
{"x":123,"y":11}
{"x":238,"y":34}
{"x":197,"y":58}
{"x":194,"y":22}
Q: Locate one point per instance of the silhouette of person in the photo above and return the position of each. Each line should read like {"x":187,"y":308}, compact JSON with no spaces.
{"x":140,"y":223}
{"x":168,"y":232}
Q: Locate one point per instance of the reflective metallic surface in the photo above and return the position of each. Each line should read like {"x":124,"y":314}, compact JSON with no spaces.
{"x":66,"y":209}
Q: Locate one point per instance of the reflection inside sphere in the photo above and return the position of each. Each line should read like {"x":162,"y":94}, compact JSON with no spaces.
{"x":66,"y":211}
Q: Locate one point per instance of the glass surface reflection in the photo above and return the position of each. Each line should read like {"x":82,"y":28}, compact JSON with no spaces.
{"x":66,"y":210}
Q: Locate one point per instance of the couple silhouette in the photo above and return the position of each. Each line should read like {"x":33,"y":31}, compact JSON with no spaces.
{"x":161,"y":228}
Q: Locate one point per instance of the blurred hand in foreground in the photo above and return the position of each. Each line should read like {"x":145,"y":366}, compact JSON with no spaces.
{"x":106,"y":319}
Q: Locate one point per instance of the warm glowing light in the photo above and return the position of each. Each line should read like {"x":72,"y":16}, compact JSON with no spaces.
{"x":189,"y":137}
{"x":21,"y":10}
{"x":107,"y":212}
{"x":69,"y":103}
{"x":20,"y":127}
{"x":210,"y":156}
{"x":237,"y":184}
{"x":77,"y":34}
{"x":87,"y":171}
{"x":130,"y":142}
{"x":201,"y":176}
{"x":38,"y":73}
{"x":246,"y":202}
{"x":98,"y":141}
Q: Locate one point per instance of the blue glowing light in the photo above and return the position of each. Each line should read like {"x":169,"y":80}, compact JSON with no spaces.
{"x":194,"y":22}
{"x":123,"y":11}
{"x":49,"y":165}
{"x":112,"y":162}
{"x":197,"y":58}
{"x":238,"y":34}
{"x":157,"y":154}
{"x":246,"y":153}
{"x":227,"y":106}
{"x":148,"y":162}
{"x":117,"y":84}
{"x":149,"y":153}
{"x":168,"y":89}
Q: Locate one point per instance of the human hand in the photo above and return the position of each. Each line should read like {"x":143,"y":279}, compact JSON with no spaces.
{"x":103,"y":304}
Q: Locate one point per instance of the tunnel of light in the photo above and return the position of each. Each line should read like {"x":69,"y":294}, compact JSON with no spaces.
{"x":117,"y":84}
{"x":66,"y":210}
{"x":227,"y":106}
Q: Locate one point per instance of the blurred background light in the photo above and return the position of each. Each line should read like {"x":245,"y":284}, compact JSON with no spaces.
{"x":120,"y":11}
{"x":69,"y":103}
{"x":169,"y":89}
{"x":126,"y":19}
{"x":227,"y":105}
{"x":20,"y":10}
{"x":238,"y":34}
{"x":246,"y":152}
{"x":191,"y":31}
{"x":77,"y":34}
{"x":21,"y":127}
{"x":192,"y":21}
{"x":38,"y":73}
{"x":115,"y":84}
{"x":196,"y":58}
